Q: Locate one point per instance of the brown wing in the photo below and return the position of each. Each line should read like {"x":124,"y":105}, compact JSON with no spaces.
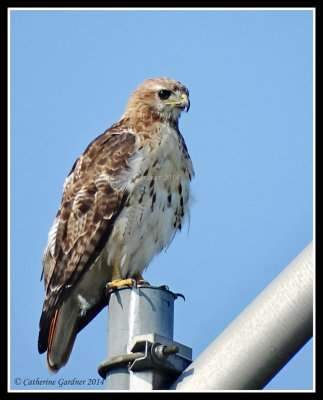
{"x":94,"y":194}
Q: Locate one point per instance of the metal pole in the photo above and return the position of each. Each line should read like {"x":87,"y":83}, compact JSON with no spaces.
{"x":263,"y":338}
{"x":141,"y":352}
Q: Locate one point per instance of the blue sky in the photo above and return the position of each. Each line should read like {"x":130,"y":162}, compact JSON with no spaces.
{"x":249,"y":133}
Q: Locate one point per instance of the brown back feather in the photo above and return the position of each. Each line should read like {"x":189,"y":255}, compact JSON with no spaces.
{"x":91,"y":201}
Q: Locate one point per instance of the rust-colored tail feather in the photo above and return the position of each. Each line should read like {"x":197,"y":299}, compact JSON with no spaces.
{"x":51,"y":332}
{"x":62,"y":333}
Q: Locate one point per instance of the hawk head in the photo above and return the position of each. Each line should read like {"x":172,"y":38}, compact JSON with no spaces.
{"x":162,"y":98}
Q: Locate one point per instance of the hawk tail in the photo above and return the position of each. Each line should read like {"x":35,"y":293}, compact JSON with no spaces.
{"x":62,"y":333}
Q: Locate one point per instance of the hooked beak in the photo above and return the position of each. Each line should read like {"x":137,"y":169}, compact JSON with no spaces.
{"x":183,"y":103}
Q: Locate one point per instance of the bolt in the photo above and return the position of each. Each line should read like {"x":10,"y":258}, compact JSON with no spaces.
{"x":162,"y":352}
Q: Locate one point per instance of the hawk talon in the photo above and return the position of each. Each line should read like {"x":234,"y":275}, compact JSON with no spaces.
{"x":165,"y":287}
{"x":118,"y":283}
{"x":143,"y":282}
{"x":177,"y":295}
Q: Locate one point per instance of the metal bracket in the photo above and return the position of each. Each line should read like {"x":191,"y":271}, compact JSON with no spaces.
{"x":151,"y":352}
{"x":160,"y":354}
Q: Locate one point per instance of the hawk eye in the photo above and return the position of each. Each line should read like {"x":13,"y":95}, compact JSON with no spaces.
{"x":164,"y":94}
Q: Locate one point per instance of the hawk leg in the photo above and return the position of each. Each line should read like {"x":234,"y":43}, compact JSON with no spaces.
{"x":117,"y":281}
{"x":140,"y":280}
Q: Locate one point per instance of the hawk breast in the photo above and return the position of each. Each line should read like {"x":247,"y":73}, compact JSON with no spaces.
{"x":156,"y":207}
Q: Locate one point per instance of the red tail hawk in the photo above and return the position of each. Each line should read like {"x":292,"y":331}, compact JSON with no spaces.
{"x":122,"y":203}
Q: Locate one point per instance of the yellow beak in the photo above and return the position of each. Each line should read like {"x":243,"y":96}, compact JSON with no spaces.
{"x":184,"y":103}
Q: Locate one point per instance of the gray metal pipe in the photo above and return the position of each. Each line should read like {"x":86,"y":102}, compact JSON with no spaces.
{"x":263,"y":338}
{"x":141,"y":352}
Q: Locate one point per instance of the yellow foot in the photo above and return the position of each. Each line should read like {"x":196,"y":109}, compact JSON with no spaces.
{"x":117,"y":283}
